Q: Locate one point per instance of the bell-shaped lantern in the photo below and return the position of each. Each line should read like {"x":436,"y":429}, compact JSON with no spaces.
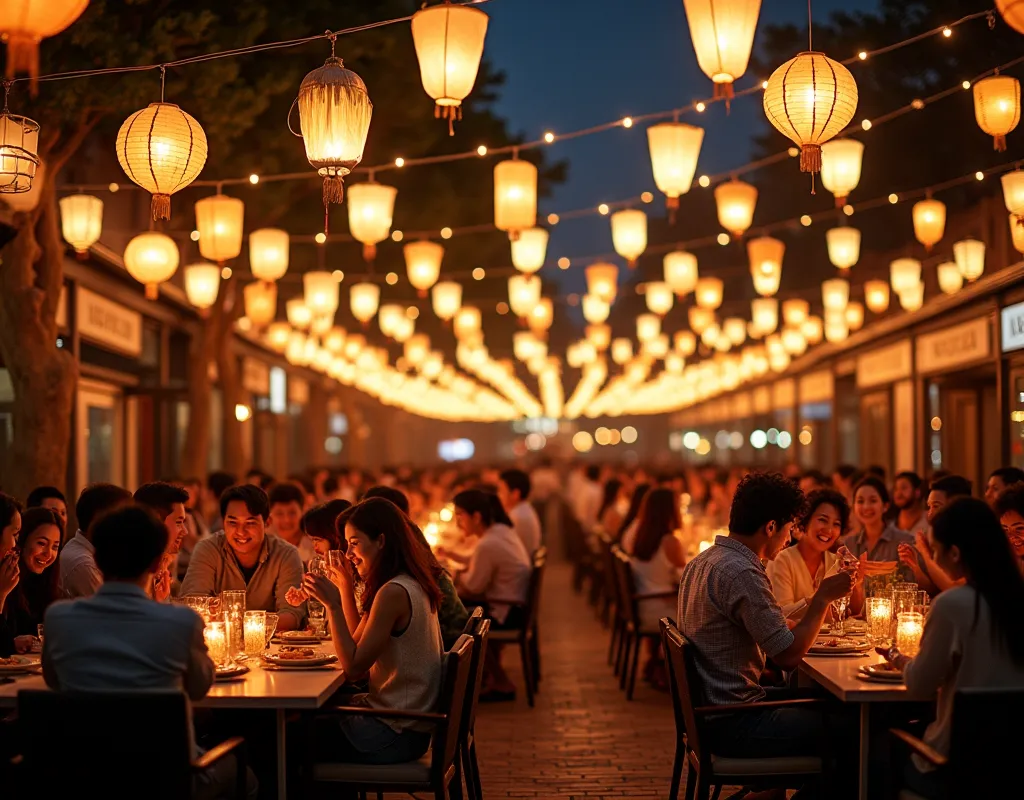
{"x":735,"y":330}
{"x":523,"y":294}
{"x":515,"y":196}
{"x":1013,"y":192}
{"x":595,"y":310}
{"x":659,"y":298}
{"x":219,"y":220}
{"x":467,"y":323}
{"x":969,"y":255}
{"x":151,"y":258}
{"x":997,"y":107}
{"x":277,"y":336}
{"x":622,"y":351}
{"x":599,"y":335}
{"x":388,"y":316}
{"x":674,"y":148}
{"x":904,"y":273}
{"x":685,"y":343}
{"x":530,"y":250}
{"x":446,"y":298}
{"x":298,"y":314}
{"x":680,"y":270}
{"x":950,"y":279}
{"x":629,"y":234}
{"x":260,"y":302}
{"x":708,"y":293}
{"x":700,"y":319}
{"x":929,"y":222}
{"x":268,"y":253}
{"x":835,"y":294}
{"x":840,"y":167}
{"x":202,"y":282}
{"x":81,"y":219}
{"x":723,"y":35}
{"x":320,"y":292}
{"x":423,"y":264}
{"x":912,"y":297}
{"x":602,"y":281}
{"x":854,"y":315}
{"x":735,"y":201}
{"x":648,"y":326}
{"x":795,"y":311}
{"x":812,"y":330}
{"x":363,"y":301}
{"x":764,"y":313}
{"x":843,"y":246}
{"x":371,"y":207}
{"x":541,"y":316}
{"x":876,"y":296}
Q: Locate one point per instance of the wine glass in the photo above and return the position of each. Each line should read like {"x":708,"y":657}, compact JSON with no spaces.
{"x":838,"y":611}
{"x":271,"y":626}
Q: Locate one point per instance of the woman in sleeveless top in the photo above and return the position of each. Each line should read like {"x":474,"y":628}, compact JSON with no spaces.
{"x":396,"y":640}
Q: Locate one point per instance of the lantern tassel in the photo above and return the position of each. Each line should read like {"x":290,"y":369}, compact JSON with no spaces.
{"x":840,"y":201}
{"x":161,"y":207}
{"x":450,"y":113}
{"x":810,"y":158}
{"x":369,"y":252}
{"x":724,"y":91}
{"x":672,"y":204}
{"x":152,"y":291}
{"x":999,"y":143}
{"x":334,"y":189}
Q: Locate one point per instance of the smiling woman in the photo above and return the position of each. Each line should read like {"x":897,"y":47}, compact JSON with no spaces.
{"x":39,"y":542}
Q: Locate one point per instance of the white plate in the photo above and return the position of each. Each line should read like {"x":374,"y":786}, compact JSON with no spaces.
{"x":882,"y":675}
{"x":318,"y":660}
{"x":21,"y":664}
{"x":299,"y":637}
{"x":231,"y":674}
{"x":845,"y":648}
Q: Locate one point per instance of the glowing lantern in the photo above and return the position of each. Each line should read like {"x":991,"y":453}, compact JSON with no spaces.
{"x":219,"y":222}
{"x":524,"y":345}
{"x":674,"y":363}
{"x":681,"y":271}
{"x":812,"y":330}
{"x":298,"y":314}
{"x":840,"y":167}
{"x":599,"y":335}
{"x":836,"y":330}
{"x":735,"y":201}
{"x":735,"y":330}
{"x":515,"y":196}
{"x":530,"y":250}
{"x":795,"y":311}
{"x":793,"y":341}
{"x":764,"y":313}
{"x":648,"y":326}
{"x":1013,"y":192}
{"x":268,"y":253}
{"x":81,"y":218}
{"x":656,"y":347}
{"x":388,"y":316}
{"x":202,"y":282}
{"x":1017,"y":233}
{"x":700,"y":319}
{"x":416,"y":349}
{"x":835,"y":294}
{"x":843,"y":246}
{"x":997,"y":107}
{"x":354,"y":343}
{"x":766,"y":285}
{"x":334,"y":340}
{"x":709,"y":336}
{"x":423,"y":264}
{"x":854,"y":316}
{"x":674,"y":148}
{"x":467,"y":322}
{"x":1012,"y":12}
{"x":904,"y":273}
{"x":709,"y":292}
{"x":524,"y":294}
{"x":24,"y":23}
{"x":278,"y":335}
{"x":876,"y":296}
{"x":912,"y":297}
{"x":151,"y":258}
{"x":622,"y":351}
{"x":765,"y":255}
{"x":629,"y":234}
{"x":321,"y":324}
{"x":723,"y":34}
{"x":685,"y":343}
{"x":970,"y":258}
{"x":595,"y":310}
{"x":541,"y":315}
{"x":446,"y":298}
{"x":950,"y":279}
{"x":602,"y":281}
{"x":371,"y":207}
{"x":929,"y":221}
{"x":363,"y":300}
{"x":260,"y":300}
{"x":659,"y":298}
{"x":449,"y":42}
{"x":402,"y":328}
{"x":320,"y":292}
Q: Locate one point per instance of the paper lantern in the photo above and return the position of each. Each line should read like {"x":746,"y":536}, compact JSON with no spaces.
{"x":735,"y":329}
{"x":836,"y":330}
{"x":19,"y":152}
{"x":81,"y":219}
{"x":524,"y":294}
{"x":334,"y":118}
{"x":416,"y":349}
{"x":997,"y":107}
{"x":599,"y":335}
{"x":709,"y":292}
{"x":969,"y":255}
{"x":321,"y":324}
{"x":446,"y":298}
{"x":766,"y":285}
{"x":541,"y":315}
{"x":904,"y":273}
{"x":685,"y":343}
{"x":629,"y":234}
{"x":1013,"y":192}
{"x":423,"y":264}
{"x":388,"y":316}
{"x":1012,"y":12}
{"x":277,"y":336}
{"x":363,"y":300}
{"x":622,"y":351}
{"x":950,"y":279}
{"x":449,"y":42}
{"x":355,"y":342}
{"x":765,"y":255}
{"x":876,"y":296}
{"x":320,"y":292}
{"x":810,"y":99}
{"x":515,"y":196}
{"x":674,"y":363}
{"x":602,"y":281}
{"x":723,"y":34}
{"x":334,"y":340}
{"x":467,"y":322}
{"x":647,"y":326}
{"x":24,"y":23}
{"x":402,"y":328}
{"x":700,"y":319}
{"x":587,"y":352}
{"x":854,"y":315}
{"x":268,"y":253}
{"x":764,"y":313}
{"x":524,"y":345}
{"x":151,"y":258}
{"x":795,"y":311}
{"x":1017,"y":233}
{"x":912,"y":297}
{"x":202,"y":282}
{"x":219,"y":220}
{"x":659,"y":298}
{"x":843,"y":246}
{"x":260,"y":300}
{"x":709,"y":336}
{"x":298,"y":315}
{"x":793,"y":341}
{"x":674,"y":148}
{"x":929,"y":222}
{"x":530,"y":250}
{"x":840,"y":167}
{"x":812,"y":330}
{"x":656,"y":347}
{"x":680,"y":270}
{"x":735,"y":201}
{"x":835,"y":294}
{"x":595,"y":310}
{"x":162,"y":149}
{"x":371,"y":207}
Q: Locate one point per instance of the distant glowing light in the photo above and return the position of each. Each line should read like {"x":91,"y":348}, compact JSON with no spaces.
{"x":603,"y":209}
{"x":563,"y":263}
{"x":320,"y":238}
{"x":549,"y":137}
{"x":254,"y":179}
{"x":481,"y":150}
{"x":700,"y":107}
{"x":627,"y":122}
{"x":866,"y":124}
{"x":704,"y":181}
{"x":479,"y":274}
{"x":399,"y":162}
{"x":446,"y":232}
{"x":723,"y":239}
{"x":391,"y":278}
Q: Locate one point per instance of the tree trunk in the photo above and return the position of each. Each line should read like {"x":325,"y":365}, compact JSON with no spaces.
{"x":230,"y":389}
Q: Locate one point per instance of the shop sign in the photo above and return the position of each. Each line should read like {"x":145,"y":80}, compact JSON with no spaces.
{"x":107,"y":323}
{"x":762,"y":399}
{"x":816,"y":387}
{"x":298,"y":391}
{"x":952,"y":347}
{"x":1013,"y":327}
{"x":784,"y":395}
{"x":255,"y":377}
{"x":885,"y":365}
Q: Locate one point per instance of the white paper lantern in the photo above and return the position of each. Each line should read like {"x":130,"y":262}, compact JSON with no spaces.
{"x":835,"y":294}
{"x":602,"y":281}
{"x":523,"y":294}
{"x":795,"y":311}
{"x":840,"y":167}
{"x":970,"y":258}
{"x":371,"y":207}
{"x":595,"y":310}
{"x":685,"y":343}
{"x":629,"y":234}
{"x":446,"y":298}
{"x":202,"y":282}
{"x":659,"y":297}
{"x":950,"y":279}
{"x":219,"y":220}
{"x":151,"y":258}
{"x":709,"y":292}
{"x":298,"y":314}
{"x":904,"y":273}
{"x":648,"y":326}
{"x":260,"y":302}
{"x":735,"y":201}
{"x":320,"y":292}
{"x":680,"y":270}
{"x":81,"y":218}
{"x":843,"y":246}
{"x":622,"y":351}
{"x":363,"y":300}
{"x":423,"y":264}
{"x":929,"y":221}
{"x":912,"y":297}
{"x":515,"y":196}
{"x":268,"y":253}
{"x":674,"y":148}
{"x":764,"y":313}
{"x":876,"y":296}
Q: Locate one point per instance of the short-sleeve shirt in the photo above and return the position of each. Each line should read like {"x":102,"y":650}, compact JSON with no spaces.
{"x":499,"y":568}
{"x":887,"y":548}
{"x":728,"y":613}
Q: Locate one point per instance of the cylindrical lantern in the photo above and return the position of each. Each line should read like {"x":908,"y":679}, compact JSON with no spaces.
{"x":723,"y":34}
{"x":810,"y":99}
{"x":530,"y":250}
{"x":912,"y":297}
{"x":835,"y":294}
{"x":812,"y":330}
{"x":334,"y":340}
{"x":25,"y":23}
{"x":595,"y":310}
{"x":423,"y":264}
{"x":467,"y":322}
{"x":629,"y":234}
{"x":1017,"y":233}
{"x":602,"y":281}
{"x":524,"y":294}
{"x":674,"y":363}
{"x":202,"y":282}
{"x":449,"y":40}
{"x":700,"y":319}
{"x":599,"y":335}
{"x":840,"y":167}
{"x":647,"y":327}
{"x":843,"y":246}
{"x":674,"y":149}
{"x":298,"y":314}
{"x":709,"y":336}
{"x":793,"y":341}
{"x":446,"y":298}
{"x":876,"y":296}
{"x":81,"y":218}
{"x":515,"y":196}
{"x":795,"y":311}
{"x":320,"y":292}
{"x":929,"y":221}
{"x":268,"y":253}
{"x":709,"y":292}
{"x":764,"y":313}
{"x":162,"y":149}
{"x":904,"y":273}
{"x":766,"y":285}
{"x":260,"y":302}
{"x":388,"y":316}
{"x":680,"y":270}
{"x":997,"y":107}
{"x":219,"y":221}
{"x":277,"y":336}
{"x":622,"y":351}
{"x":1013,"y":192}
{"x":765,"y":255}
{"x":416,"y":349}
{"x":151,"y":258}
{"x":970,"y":258}
{"x":363,"y":300}
{"x":950,"y":279}
{"x":371,"y":207}
{"x":735,"y":201}
{"x":541,"y":315}
{"x":836,"y":330}
{"x":685,"y":343}
{"x":524,"y":345}
{"x":656,"y":347}
{"x":735,"y":330}
{"x":659,"y":297}
{"x":854,"y":315}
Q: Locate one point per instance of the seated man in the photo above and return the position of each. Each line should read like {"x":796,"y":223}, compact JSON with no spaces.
{"x":728,"y":613}
{"x":79,"y":575}
{"x":514,"y":493}
{"x":167,"y":501}
{"x":287,"y":502}
{"x":242,"y":556}
{"x":49,"y":497}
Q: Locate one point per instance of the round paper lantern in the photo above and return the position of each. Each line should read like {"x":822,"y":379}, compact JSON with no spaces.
{"x":467,"y":322}
{"x":599,"y":335}
{"x":268,"y":253}
{"x":970,"y":258}
{"x":1017,"y":233}
{"x":764,"y":313}
{"x":298,"y":315}
{"x":840,"y":167}
{"x":812,"y":330}
{"x":648,"y":326}
{"x":735,"y":329}
{"x":950,"y":279}
{"x":622,"y":351}
{"x":904,"y":273}
{"x":524,"y":294}
{"x":912,"y":297}
{"x":735,"y":201}
{"x":700,"y":319}
{"x":1013,"y":192}
{"x":320,"y":292}
{"x":162,"y":149}
{"x":602,"y":281}
{"x":659,"y":298}
{"x":363,"y":300}
{"x":685,"y":343}
{"x":541,"y":315}
{"x":723,"y":34}
{"x":151,"y":258}
{"x":674,"y":148}
{"x":449,"y":42}
{"x":1012,"y":12}
{"x":81,"y":219}
{"x":334,"y":118}
{"x":595,"y":310}
{"x":795,"y":311}
{"x":629,"y":234}
{"x":680,"y":270}
{"x":277,"y":336}
{"x":810,"y":99}
{"x":876,"y":296}
{"x":709,"y":292}
{"x":219,"y":221}
{"x":997,"y":107}
{"x":202,"y":282}
{"x":929,"y":222}
{"x":446,"y":298}
{"x":515,"y":196}
{"x":423,"y":264}
{"x":370,"y":210}
{"x":530,"y":250}
{"x":843,"y":246}
{"x":854,"y":315}
{"x":260,"y":300}
{"x":24,"y":23}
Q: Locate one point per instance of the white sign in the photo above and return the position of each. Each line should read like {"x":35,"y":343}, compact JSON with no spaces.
{"x":816,"y":387}
{"x":885,"y":365}
{"x":107,"y":323}
{"x":951,"y":347}
{"x":255,"y":377}
{"x":1013,"y":327}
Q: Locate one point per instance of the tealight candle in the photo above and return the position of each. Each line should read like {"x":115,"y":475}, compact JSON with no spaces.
{"x":255,"y":632}
{"x":216,"y":638}
{"x":909,"y":627}
{"x":879,"y":617}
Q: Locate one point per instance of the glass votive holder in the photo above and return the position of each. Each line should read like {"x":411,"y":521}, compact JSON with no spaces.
{"x":232,"y":605}
{"x":216,"y":638}
{"x":909,"y":627}
{"x":255,"y":632}
{"x":878,"y":611}
{"x":270,"y":627}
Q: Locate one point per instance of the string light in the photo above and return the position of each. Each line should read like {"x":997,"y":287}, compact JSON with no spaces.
{"x":502,"y":308}
{"x":338,"y":275}
{"x":563,"y":263}
{"x":446,"y":233}
{"x":397,"y":236}
{"x":399,"y":162}
{"x":194,"y":236}
{"x":947,"y":32}
{"x":479,"y":274}
{"x":866,"y":124}
{"x":966,"y":85}
{"x":603,"y":209}
{"x":979,"y":175}
{"x":862,"y":55}
{"x":700,"y":107}
{"x":552,"y":219}
{"x":805,"y":220}
{"x":481,"y":150}
{"x":627,"y":122}
{"x":894,"y":198}
{"x":391,"y":278}
{"x":320,"y":237}
{"x":704,"y":181}
{"x":549,"y":137}
{"x":254,"y":179}
{"x":723,"y":239}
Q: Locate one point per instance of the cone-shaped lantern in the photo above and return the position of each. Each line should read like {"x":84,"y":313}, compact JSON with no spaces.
{"x":876,"y":296}
{"x":446,"y":298}
{"x":595,"y":310}
{"x":950,"y":279}
{"x":836,"y":330}
{"x":202,"y":282}
{"x":260,"y":299}
{"x":843,"y":246}
{"x":268,"y":253}
{"x":371,"y":207}
{"x":423,"y":264}
{"x":151,"y":258}
{"x":735,"y":330}
{"x":81,"y":219}
{"x":970,"y":258}
{"x":793,"y":341}
{"x":723,"y":34}
{"x":840,"y":167}
{"x":659,"y":298}
{"x":765,"y":255}
{"x":929,"y":222}
{"x":674,"y":148}
{"x":681,"y":272}
{"x":515,"y":196}
{"x":530,"y":250}
{"x":524,"y":294}
{"x":904,"y":273}
{"x":363,"y":300}
{"x":709,"y":292}
{"x":997,"y":107}
{"x":735,"y":201}
{"x":219,"y":220}
{"x":629,"y":234}
{"x":602,"y":281}
{"x":389,"y":316}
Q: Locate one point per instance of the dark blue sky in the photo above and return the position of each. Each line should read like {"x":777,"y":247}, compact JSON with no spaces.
{"x":571,"y":64}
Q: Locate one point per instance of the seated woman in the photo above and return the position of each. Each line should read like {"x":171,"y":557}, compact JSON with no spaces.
{"x":320,"y":525}
{"x":626,"y":533}
{"x":974,"y":637}
{"x":614,"y":506}
{"x":39,"y":576}
{"x":797,"y":571}
{"x":396,"y":638}
{"x":10,"y":525}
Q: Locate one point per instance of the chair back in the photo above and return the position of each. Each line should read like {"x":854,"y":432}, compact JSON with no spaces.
{"x":685,"y":686}
{"x":606,"y":543}
{"x":665,"y":625}
{"x":982,"y":756}
{"x":473,"y":622}
{"x":118,"y":746}
{"x":454,"y":690}
{"x":627,"y":587}
{"x":540,"y":559}
{"x":481,"y":630}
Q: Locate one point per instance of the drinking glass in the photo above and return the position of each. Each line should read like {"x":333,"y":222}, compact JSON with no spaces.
{"x":233,"y":605}
{"x":271,"y":626}
{"x":879,"y":618}
{"x":839,"y":610}
{"x":336,"y":560}
{"x":318,"y":565}
{"x":317,"y":619}
{"x":255,"y":632}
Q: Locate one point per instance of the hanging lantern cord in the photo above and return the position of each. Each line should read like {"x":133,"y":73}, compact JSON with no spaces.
{"x":7,"y":95}
{"x":163,"y":81}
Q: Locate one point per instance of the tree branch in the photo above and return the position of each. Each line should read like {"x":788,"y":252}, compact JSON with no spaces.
{"x":88,"y":120}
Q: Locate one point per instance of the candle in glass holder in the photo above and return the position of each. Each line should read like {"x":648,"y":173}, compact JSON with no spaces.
{"x":216,"y":638}
{"x":909,"y":627}
{"x":233,"y":606}
{"x":879,"y":617}
{"x":255,"y":632}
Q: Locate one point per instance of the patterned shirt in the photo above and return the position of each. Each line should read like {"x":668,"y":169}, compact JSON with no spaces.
{"x":729,"y":615}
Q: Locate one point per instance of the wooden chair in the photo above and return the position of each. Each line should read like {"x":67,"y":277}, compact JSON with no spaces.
{"x":437,"y":769}
{"x":479,"y":628}
{"x":526,"y":635}
{"x":118,"y":746}
{"x":616,"y":608}
{"x":982,"y":757}
{"x":707,"y":770}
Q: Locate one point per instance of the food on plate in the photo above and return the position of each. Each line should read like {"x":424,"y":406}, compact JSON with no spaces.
{"x":10,"y":662}
{"x":292,"y":653}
